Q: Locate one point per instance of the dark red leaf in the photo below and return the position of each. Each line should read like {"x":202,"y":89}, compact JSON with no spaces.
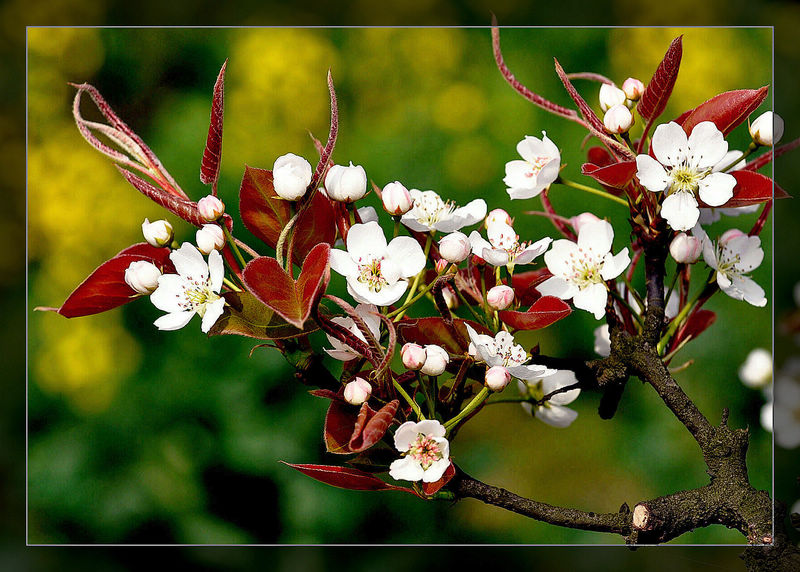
{"x":315,"y":226}
{"x":346,"y":478}
{"x":600,"y":156}
{"x":326,"y":394}
{"x":697,"y":323}
{"x":263,"y":212}
{"x":209,"y":168}
{"x":339,"y":423}
{"x":617,"y":175}
{"x":751,"y":189}
{"x":105,"y":288}
{"x":425,"y":331}
{"x":525,"y":283}
{"x":545,"y":311}
{"x":371,"y":426}
{"x":433,"y":488}
{"x":726,"y":110}
{"x":245,"y":316}
{"x":292,"y":300}
{"x":656,"y":94}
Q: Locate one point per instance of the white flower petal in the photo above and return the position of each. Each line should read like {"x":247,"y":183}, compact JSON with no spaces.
{"x":407,"y":254}
{"x":386,"y":296}
{"x":613,"y":266}
{"x":556,"y":416}
{"x":213,"y":311}
{"x":343,"y":263}
{"x":435,"y":471}
{"x":495,"y":257}
{"x":749,"y":250}
{"x":532,"y":251}
{"x":365,"y":239}
{"x":341,"y":355}
{"x":707,"y":146}
{"x":592,"y":299}
{"x":670,"y":144}
{"x":169,"y":295}
{"x":189,"y":262}
{"x":651,"y":174}
{"x":431,"y":428}
{"x":469,"y":214}
{"x":558,"y":287}
{"x":405,"y":435}
{"x":558,"y":257}
{"x":716,"y":189}
{"x":562,"y":378}
{"x":596,"y":236}
{"x":173,"y":321}
{"x":748,"y":290}
{"x":216,"y":270}
{"x":680,"y":210}
{"x":406,"y":469}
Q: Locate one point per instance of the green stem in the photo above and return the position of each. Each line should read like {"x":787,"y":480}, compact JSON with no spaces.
{"x":232,"y":242}
{"x":398,"y":314}
{"x":464,"y":301}
{"x":752,"y":147}
{"x":676,"y":322}
{"x":231,"y":285}
{"x":592,"y":190}
{"x":471,"y":406}
{"x":396,"y":226}
{"x":408,"y":399}
{"x":408,"y":301}
{"x":283,"y":237}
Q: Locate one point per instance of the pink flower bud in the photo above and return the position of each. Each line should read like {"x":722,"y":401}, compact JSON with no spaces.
{"x":413,"y":356}
{"x":633,"y":88}
{"x":157,"y":233}
{"x":685,"y":249}
{"x":498,"y":215}
{"x":450,"y":297}
{"x":436,"y":360}
{"x":441,"y":264}
{"x":611,"y":95}
{"x":729,"y":235}
{"x":497,"y":378}
{"x":346,"y":184}
{"x":142,"y":276}
{"x":291,"y":175}
{"x":357,"y":391}
{"x":396,"y":199}
{"x":767,"y":129}
{"x":500,"y":297}
{"x":618,"y":119}
{"x":211,"y":208}
{"x":209,"y":238}
{"x":579,"y":220}
{"x":455,"y":247}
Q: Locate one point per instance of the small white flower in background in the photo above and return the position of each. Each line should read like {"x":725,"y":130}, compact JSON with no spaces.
{"x":497,"y":378}
{"x":504,"y":248}
{"x":193,"y":290}
{"x":291,"y":175}
{"x":346,"y":184}
{"x":500,"y":297}
{"x":357,"y":391}
{"x":436,"y":360}
{"x":539,"y":168}
{"x":552,"y":411}
{"x":413,"y":356}
{"x":142,"y":276}
{"x":454,"y":247}
{"x":498,"y":216}
{"x":396,"y":199}
{"x":580,"y":270}
{"x":210,"y":237}
{"x":426,"y":452}
{"x":767,"y":129}
{"x":210,"y":208}
{"x":756,"y":371}
{"x":683,"y":168}
{"x":579,"y":220}
{"x":633,"y":88}
{"x":618,"y":119}
{"x":765,"y":417}
{"x":157,"y":233}
{"x":502,"y":351}
{"x":611,"y":95}
{"x":734,"y":255}
{"x":430,"y":212}
{"x":786,"y":405}
{"x":685,"y":249}
{"x":368,"y":314}
{"x":377,"y":272}
{"x":602,"y":341}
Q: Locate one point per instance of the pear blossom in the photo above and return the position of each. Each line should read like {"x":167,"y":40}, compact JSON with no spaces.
{"x":376,"y":272}
{"x":357,"y":391}
{"x":539,"y":168}
{"x":552,"y":411}
{"x":618,"y":119}
{"x":786,"y":405}
{"x":498,"y":216}
{"x":396,"y":199}
{"x":142,"y":276}
{"x":633,"y":88}
{"x":756,"y":371}
{"x":767,"y":129}
{"x":426,"y":452}
{"x":500,"y":297}
{"x":369,"y":315}
{"x":610,"y":95}
{"x":157,"y":233}
{"x":579,"y":220}
{"x":504,"y":248}
{"x":454,"y":247}
{"x":436,"y":360}
{"x":501,"y":350}
{"x":210,"y":208}
{"x":683,"y":168}
{"x":734,"y":255}
{"x":728,"y":164}
{"x":497,"y":378}
{"x":581,"y":269}
{"x":291,"y":175}
{"x":413,"y":356}
{"x":193,"y":290}
{"x":346,"y":184}
{"x":685,"y":249}
{"x":209,"y":237}
{"x":430,"y":212}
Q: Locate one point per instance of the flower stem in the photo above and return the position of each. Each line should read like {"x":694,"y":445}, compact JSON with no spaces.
{"x":471,"y":406}
{"x":591,"y":190}
{"x":408,"y":399}
{"x":398,"y":314}
{"x":231,"y":285}
{"x":408,"y":301}
{"x":676,"y":322}
{"x":283,"y":238}
{"x":234,"y":247}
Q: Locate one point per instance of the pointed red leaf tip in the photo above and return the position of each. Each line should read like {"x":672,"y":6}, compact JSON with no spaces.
{"x":291,"y":300}
{"x":617,"y":175}
{"x":433,"y":488}
{"x":727,"y":110}
{"x":209,"y":167}
{"x":545,"y":311}
{"x":656,"y":94}
{"x":346,"y":478}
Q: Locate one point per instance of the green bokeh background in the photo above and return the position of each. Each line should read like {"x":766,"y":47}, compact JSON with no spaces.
{"x":137,"y":435}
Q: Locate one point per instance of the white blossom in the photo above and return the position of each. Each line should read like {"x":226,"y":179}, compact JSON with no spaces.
{"x":756,"y":371}
{"x":618,"y":119}
{"x":357,"y":391}
{"x":501,"y":350}
{"x":369,"y":315}
{"x":610,"y":95}
{"x":291,"y":175}
{"x":504,"y":248}
{"x":733,"y":258}
{"x":430,"y":212}
{"x":346,"y":184}
{"x":436,"y":360}
{"x":396,"y":199}
{"x":454,"y":247}
{"x":210,"y":237}
{"x":539,"y":167}
{"x":552,"y":411}
{"x":157,"y":233}
{"x":142,"y":276}
{"x":767,"y":129}
{"x":426,"y":452}
{"x":210,"y":208}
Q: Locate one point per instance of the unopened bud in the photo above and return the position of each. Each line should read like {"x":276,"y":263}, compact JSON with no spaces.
{"x":618,"y":119}
{"x":497,"y":378}
{"x":767,"y":129}
{"x":291,"y":175}
{"x":211,"y":208}
{"x":413,"y":356}
{"x":142,"y":276}
{"x":579,"y":220}
{"x":729,"y":235}
{"x":611,"y":95}
{"x":209,"y":238}
{"x":440,"y":265}
{"x":396,"y":199}
{"x":455,"y":247}
{"x":357,"y":391}
{"x":500,"y":297}
{"x":498,"y":215}
{"x":346,"y":184}
{"x":685,"y":249}
{"x":633,"y":88}
{"x":157,"y":233}
{"x":436,"y":360}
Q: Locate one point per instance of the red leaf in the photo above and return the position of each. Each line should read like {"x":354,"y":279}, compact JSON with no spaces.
{"x":105,"y":288}
{"x":751,"y":189}
{"x":292,"y":300}
{"x":656,"y":94}
{"x":435,"y":331}
{"x":697,"y":323}
{"x":616,"y":176}
{"x":726,"y":110}
{"x":339,"y":422}
{"x":209,"y":168}
{"x":599,"y":156}
{"x":371,"y":426}
{"x":263,"y":212}
{"x":315,"y":226}
{"x":545,"y":311}
{"x":346,"y":478}
{"x":525,"y":283}
{"x":245,"y":316}
{"x":433,"y":488}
